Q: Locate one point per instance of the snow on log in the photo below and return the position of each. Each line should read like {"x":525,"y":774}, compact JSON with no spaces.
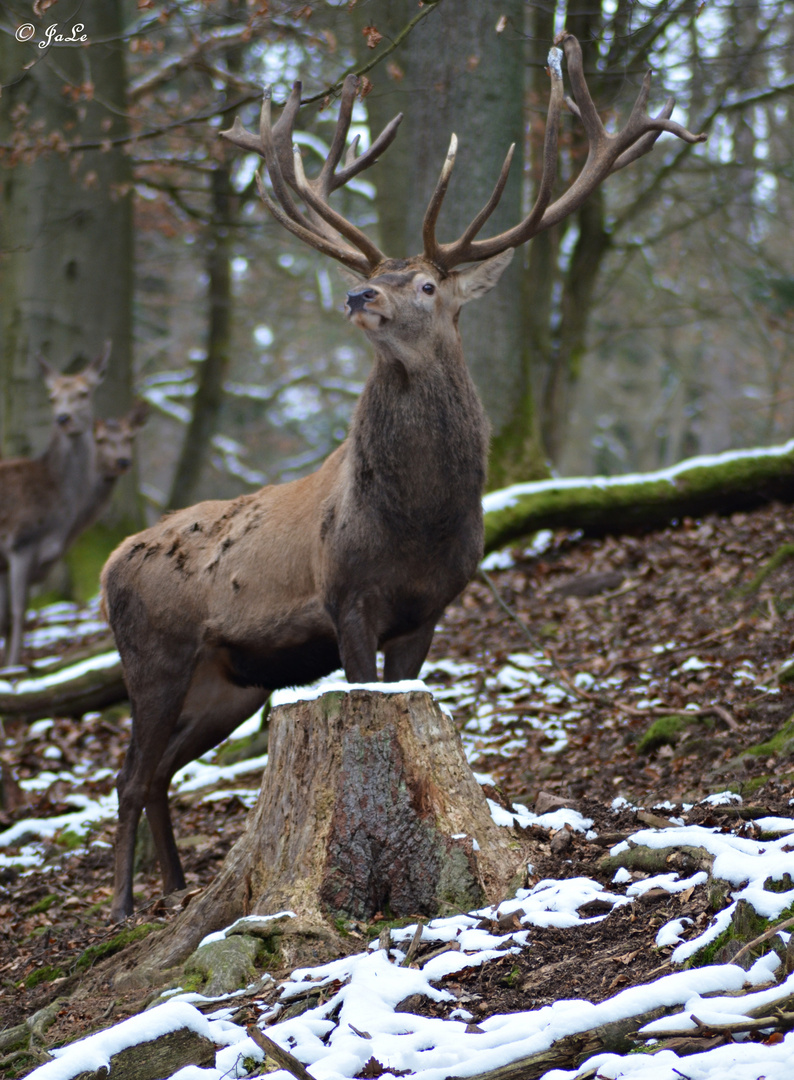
{"x":720,"y":483}
{"x":95,"y":682}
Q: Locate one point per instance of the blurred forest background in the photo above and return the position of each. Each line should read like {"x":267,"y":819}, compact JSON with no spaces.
{"x":654,"y":324}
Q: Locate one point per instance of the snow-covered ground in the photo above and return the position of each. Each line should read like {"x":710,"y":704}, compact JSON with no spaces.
{"x":358,"y":1021}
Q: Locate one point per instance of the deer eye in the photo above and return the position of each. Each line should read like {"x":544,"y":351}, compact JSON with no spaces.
{"x":428,"y":288}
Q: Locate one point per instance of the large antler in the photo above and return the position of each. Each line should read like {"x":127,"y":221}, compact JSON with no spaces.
{"x":607,"y":153}
{"x":322,"y":225}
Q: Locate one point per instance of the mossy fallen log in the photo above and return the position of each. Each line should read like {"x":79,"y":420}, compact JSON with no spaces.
{"x":95,"y":681}
{"x":162,"y":1056}
{"x":721,"y":483}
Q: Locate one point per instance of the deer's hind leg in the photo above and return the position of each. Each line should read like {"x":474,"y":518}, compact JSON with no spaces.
{"x":212,"y":709}
{"x":157,"y":695}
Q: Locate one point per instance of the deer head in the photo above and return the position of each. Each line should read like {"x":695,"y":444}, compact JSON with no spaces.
{"x":114,"y":441}
{"x":71,"y":395}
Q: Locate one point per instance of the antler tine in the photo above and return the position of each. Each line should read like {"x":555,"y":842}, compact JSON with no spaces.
{"x":466,"y":249}
{"x":238,"y":136}
{"x":353,"y":259}
{"x":606,"y":154}
{"x":282,"y":132}
{"x":645,"y":143}
{"x":324,"y":180}
{"x":312,"y":197}
{"x":444,"y":250}
{"x":322,"y":226}
{"x":280,"y":189}
{"x":586,"y":109}
{"x":432,"y":249}
{"x":352,"y":152}
{"x":354,"y":165}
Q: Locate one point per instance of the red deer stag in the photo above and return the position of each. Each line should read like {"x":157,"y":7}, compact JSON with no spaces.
{"x":221,"y":603}
{"x":41,"y":499}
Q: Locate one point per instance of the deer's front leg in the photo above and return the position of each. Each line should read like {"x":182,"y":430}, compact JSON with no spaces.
{"x":358,"y":644}
{"x":404,"y":656}
{"x":4,"y":605}
{"x":20,"y":564}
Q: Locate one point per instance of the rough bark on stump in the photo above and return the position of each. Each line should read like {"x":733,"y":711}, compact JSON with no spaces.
{"x":367,"y":804}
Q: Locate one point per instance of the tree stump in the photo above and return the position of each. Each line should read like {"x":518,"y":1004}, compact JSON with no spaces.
{"x":367,"y":805}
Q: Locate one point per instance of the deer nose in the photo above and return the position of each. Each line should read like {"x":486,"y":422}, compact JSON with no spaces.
{"x":359,"y":297}
{"x":123,"y":463}
{"x":63,"y":418}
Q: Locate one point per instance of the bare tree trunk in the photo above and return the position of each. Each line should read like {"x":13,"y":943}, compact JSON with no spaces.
{"x":208,"y":399}
{"x":367,"y":805}
{"x":65,"y":226}
{"x":443,"y":79}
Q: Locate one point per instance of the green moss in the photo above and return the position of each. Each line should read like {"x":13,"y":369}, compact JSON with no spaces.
{"x":69,"y":840}
{"x":645,"y":503}
{"x":783,"y":553}
{"x":746,"y":925}
{"x":88,"y":555}
{"x":783,"y":885}
{"x":44,"y":904}
{"x":511,"y":979}
{"x":781,"y":744}
{"x":42,"y":975}
{"x":94,"y":953}
{"x":666,"y":731}
{"x":242,"y":749}
{"x":191,"y":984}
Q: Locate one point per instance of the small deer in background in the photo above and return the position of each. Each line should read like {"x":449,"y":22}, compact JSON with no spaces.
{"x":42,"y":498}
{"x":114,"y":441}
{"x":223,"y":602}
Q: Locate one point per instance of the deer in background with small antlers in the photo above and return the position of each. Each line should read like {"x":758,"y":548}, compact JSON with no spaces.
{"x":223,"y":602}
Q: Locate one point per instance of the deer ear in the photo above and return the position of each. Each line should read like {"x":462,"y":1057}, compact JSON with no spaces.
{"x":95,"y":371}
{"x":477,"y":280}
{"x":48,"y":372}
{"x":137,"y":415}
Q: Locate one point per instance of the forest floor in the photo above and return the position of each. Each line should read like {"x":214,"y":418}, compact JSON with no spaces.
{"x":628,"y":678}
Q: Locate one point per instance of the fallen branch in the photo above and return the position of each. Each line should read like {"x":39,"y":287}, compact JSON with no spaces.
{"x":281,"y":1057}
{"x":413,"y":947}
{"x":745,"y":949}
{"x":571,"y":1051}
{"x":622,"y":1036}
{"x":781,"y":1021}
{"x":784,"y":552}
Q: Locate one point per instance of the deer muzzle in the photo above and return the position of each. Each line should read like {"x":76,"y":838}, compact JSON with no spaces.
{"x":358,"y":298}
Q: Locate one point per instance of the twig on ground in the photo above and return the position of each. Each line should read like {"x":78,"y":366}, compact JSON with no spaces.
{"x":745,"y":949}
{"x":411,"y":953}
{"x":281,"y":1057}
